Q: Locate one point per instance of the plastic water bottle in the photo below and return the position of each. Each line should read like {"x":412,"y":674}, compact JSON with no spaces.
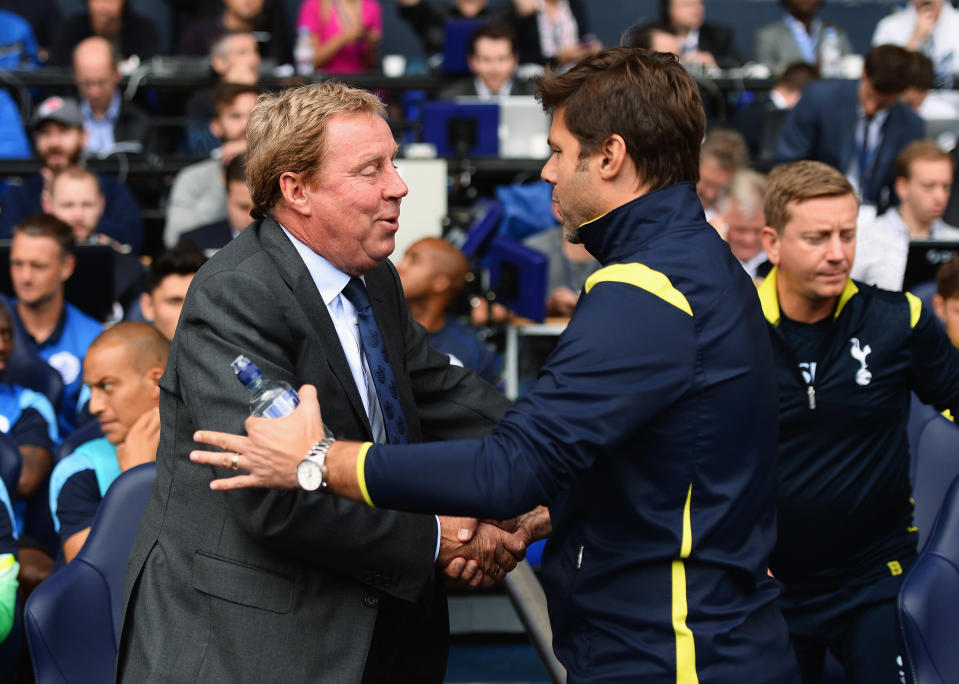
{"x":268,"y":398}
{"x":830,"y":53}
{"x":303,"y":52}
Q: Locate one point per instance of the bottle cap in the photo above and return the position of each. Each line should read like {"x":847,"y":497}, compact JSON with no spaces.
{"x":246,"y":371}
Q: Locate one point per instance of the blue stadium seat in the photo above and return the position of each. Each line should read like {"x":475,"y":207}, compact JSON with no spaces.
{"x":73,"y":618}
{"x":937,"y":464}
{"x":919,"y":415}
{"x":928,"y":618}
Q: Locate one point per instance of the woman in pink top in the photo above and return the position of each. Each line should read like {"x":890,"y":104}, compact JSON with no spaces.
{"x":346,"y":33}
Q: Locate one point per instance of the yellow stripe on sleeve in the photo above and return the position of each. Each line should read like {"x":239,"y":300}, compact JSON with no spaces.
{"x":915,"y":308}
{"x":361,"y":472}
{"x":685,"y":645}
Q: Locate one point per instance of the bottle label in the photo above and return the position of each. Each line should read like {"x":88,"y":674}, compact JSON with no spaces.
{"x":283,"y":405}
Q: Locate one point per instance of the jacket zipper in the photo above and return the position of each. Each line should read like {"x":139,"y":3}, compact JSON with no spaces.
{"x":811,"y":395}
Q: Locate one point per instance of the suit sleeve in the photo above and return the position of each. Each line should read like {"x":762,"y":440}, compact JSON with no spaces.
{"x":228,"y":315}
{"x":797,"y":140}
{"x":595,"y":395}
{"x":121,"y":218}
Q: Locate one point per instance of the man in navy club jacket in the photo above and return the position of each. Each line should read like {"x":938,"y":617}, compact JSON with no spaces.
{"x":651,"y":432}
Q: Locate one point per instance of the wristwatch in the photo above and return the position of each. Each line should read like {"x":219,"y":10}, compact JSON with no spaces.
{"x":311,"y":472}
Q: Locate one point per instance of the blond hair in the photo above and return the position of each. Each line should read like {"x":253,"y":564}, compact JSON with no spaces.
{"x":747,"y":190}
{"x":286,"y":132}
{"x":797,"y":182}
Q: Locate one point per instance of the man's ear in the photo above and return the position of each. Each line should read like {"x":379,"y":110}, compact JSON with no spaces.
{"x":146,"y":307}
{"x":66,"y":267}
{"x":154,"y":375}
{"x":295,"y":192}
{"x":939,"y":305}
{"x":216,"y":129}
{"x":771,"y":243}
{"x":613,"y":156}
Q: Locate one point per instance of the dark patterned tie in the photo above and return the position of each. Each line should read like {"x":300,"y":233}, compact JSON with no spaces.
{"x":374,"y":347}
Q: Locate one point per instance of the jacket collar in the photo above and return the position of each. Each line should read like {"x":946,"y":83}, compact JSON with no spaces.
{"x":618,"y":234}
{"x":769,"y":298}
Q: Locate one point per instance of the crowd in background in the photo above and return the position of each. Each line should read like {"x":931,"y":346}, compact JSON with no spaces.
{"x":887,"y":120}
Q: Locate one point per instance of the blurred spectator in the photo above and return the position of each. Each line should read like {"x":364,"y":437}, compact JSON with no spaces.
{"x":74,"y":197}
{"x":168,"y":280}
{"x":345,"y":33}
{"x":43,"y":17}
{"x":760,"y":121}
{"x":112,"y":124}
{"x":428,"y":18}
{"x":554,"y":31}
{"x":492,"y":57}
{"x":922,"y":79}
{"x":27,"y":417}
{"x":946,"y":299}
{"x":121,"y":369}
{"x":213,"y":236}
{"x":706,"y":43}
{"x":18,"y":46}
{"x":797,"y":37}
{"x":741,"y":220}
{"x":569,"y":267}
{"x":433,"y":272}
{"x":722,"y":154}
{"x":923,"y":182}
{"x":652,"y":36}
{"x":267,"y":23}
{"x":234,"y":58}
{"x":41,"y":261}
{"x":59,"y":138}
{"x":13,"y":137}
{"x":927,"y":26}
{"x":198,"y":196}
{"x":129,"y":33}
{"x":857,"y":128}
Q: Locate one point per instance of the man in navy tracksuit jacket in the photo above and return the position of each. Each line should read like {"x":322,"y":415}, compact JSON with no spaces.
{"x":651,"y":431}
{"x":848,"y":355}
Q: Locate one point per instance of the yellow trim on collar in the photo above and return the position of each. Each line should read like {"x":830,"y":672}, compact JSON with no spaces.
{"x":361,"y":472}
{"x":643,"y":277}
{"x":769,"y":297}
{"x":915,"y":308}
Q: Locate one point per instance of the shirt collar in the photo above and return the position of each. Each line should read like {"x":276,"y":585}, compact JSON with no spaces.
{"x":484,"y":92}
{"x":769,"y":297}
{"x":111,"y":115}
{"x":329,"y":280}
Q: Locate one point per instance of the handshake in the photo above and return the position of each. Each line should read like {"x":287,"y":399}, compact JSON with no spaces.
{"x":480,"y":552}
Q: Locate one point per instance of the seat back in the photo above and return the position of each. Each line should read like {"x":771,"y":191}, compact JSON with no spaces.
{"x":937,"y":464}
{"x":919,"y":415}
{"x":73,"y":618}
{"x":928,"y":618}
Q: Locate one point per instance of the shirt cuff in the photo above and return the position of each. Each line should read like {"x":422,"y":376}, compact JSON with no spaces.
{"x":439,"y":531}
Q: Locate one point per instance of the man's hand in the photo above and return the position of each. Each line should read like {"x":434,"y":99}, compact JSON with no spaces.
{"x":142,"y":440}
{"x":926,"y":17}
{"x":561,"y":302}
{"x":481,"y":560}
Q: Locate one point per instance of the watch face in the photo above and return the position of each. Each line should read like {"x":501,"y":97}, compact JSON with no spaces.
{"x":309,"y":475}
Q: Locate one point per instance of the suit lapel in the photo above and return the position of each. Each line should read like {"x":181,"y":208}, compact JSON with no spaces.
{"x":298,"y":279}
{"x":849,"y":113}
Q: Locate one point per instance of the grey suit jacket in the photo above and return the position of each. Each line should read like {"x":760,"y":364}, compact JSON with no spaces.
{"x":774,"y":45}
{"x":264,"y":585}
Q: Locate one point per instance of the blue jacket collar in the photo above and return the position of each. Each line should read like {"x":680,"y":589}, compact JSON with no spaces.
{"x":617,"y":235}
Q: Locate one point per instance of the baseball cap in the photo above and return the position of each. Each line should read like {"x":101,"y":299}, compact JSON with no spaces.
{"x":62,"y":110}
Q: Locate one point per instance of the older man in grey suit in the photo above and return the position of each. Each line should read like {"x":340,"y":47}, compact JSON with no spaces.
{"x":263,"y":585}
{"x":797,"y":37}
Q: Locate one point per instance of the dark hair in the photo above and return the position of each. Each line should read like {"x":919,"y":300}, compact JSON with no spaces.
{"x":797,"y":75}
{"x":646,"y":97}
{"x":184,"y":259}
{"x":236,"y":169}
{"x":492,"y":31}
{"x":640,"y":34}
{"x":947,"y":279}
{"x":922,"y":74}
{"x":888,"y":68}
{"x":225,"y":93}
{"x":48,"y":225}
{"x":728,"y":147}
